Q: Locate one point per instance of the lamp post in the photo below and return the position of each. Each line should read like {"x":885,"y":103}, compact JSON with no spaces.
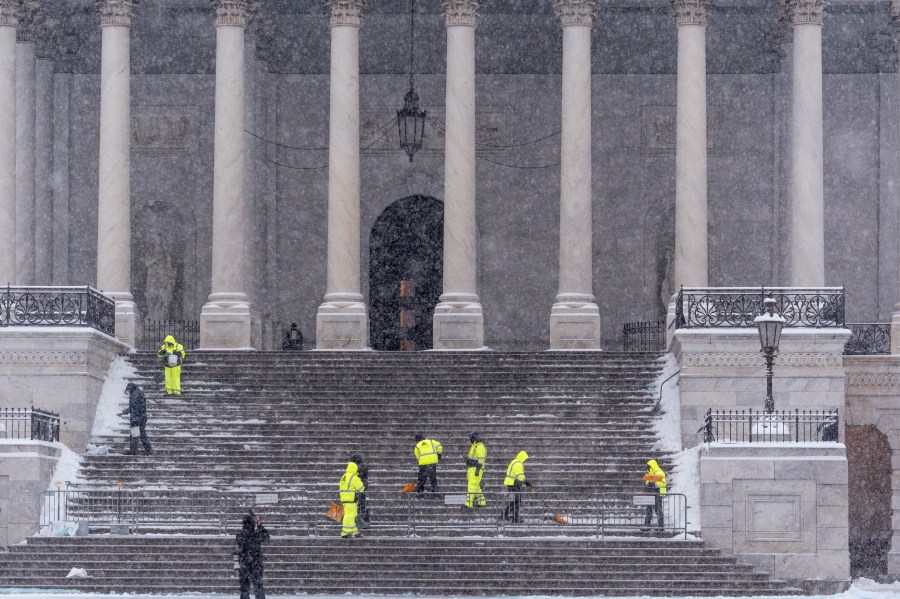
{"x":769,"y":325}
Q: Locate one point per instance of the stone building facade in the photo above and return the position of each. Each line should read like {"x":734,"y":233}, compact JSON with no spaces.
{"x":518,"y":118}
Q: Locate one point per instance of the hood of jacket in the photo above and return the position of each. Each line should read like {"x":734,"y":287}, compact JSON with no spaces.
{"x":652,"y":465}
{"x":352,"y":468}
{"x":169,"y":340}
{"x":522,"y":456}
{"x":249,"y":518}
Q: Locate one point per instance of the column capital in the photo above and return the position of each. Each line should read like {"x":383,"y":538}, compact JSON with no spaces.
{"x":116,"y":13}
{"x":9,"y":13}
{"x":460,"y":12}
{"x":231,"y":12}
{"x":575,"y":12}
{"x":345,"y":12}
{"x":690,"y":12}
{"x":31,"y":20}
{"x":805,"y":12}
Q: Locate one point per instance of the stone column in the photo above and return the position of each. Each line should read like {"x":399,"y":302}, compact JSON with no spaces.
{"x":43,"y":166}
{"x":691,"y":255}
{"x":225,"y":321}
{"x":342,"y":321}
{"x":575,"y":317}
{"x":114,"y":210}
{"x":895,"y":317}
{"x":9,"y":10}
{"x":25,"y":143}
{"x":807,"y":202}
{"x":458,"y":319}
{"x":691,"y":259}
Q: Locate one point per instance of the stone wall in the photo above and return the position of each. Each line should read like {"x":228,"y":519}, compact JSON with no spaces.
{"x":60,"y":369}
{"x":25,"y":471}
{"x":781,"y":507}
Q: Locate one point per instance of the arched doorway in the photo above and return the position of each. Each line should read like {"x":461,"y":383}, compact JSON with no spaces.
{"x":406,"y":253}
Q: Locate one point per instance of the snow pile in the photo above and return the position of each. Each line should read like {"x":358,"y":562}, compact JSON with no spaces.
{"x":67,"y":468}
{"x":78,"y":573}
{"x":668,"y":426}
{"x":112,"y":398}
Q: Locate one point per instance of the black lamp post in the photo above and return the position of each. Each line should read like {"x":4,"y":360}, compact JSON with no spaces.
{"x":770,"y":325}
{"x":411,"y":120}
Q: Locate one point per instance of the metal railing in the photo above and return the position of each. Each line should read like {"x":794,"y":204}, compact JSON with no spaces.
{"x":57,"y":306}
{"x":186,"y":332}
{"x":393,"y":513}
{"x":649,"y":336}
{"x":748,"y":426}
{"x":868,"y":339}
{"x":739,"y":306}
{"x":29,"y":423}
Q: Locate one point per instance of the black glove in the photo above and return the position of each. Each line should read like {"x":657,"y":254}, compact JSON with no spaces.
{"x":478,"y":469}
{"x":470,"y":463}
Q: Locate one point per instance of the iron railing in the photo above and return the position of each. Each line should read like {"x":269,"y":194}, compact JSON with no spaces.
{"x":186,"y":332}
{"x":868,"y":339}
{"x":749,"y":426}
{"x":649,"y":336}
{"x":739,"y":306}
{"x":57,"y":306}
{"x":28,"y":423}
{"x":393,"y":513}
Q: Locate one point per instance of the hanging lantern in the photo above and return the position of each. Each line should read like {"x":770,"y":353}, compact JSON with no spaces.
{"x":411,"y":123}
{"x":411,"y":120}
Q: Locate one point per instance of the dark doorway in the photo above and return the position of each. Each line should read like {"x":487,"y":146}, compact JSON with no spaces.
{"x":869,"y":466}
{"x":406,"y":270}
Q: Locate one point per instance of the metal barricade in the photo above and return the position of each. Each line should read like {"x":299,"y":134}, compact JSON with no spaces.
{"x":29,"y":423}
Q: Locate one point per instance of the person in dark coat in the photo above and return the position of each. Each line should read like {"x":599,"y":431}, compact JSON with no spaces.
{"x":137,"y":417}
{"x":363,"y":474}
{"x":293,"y":339}
{"x":248,"y":555}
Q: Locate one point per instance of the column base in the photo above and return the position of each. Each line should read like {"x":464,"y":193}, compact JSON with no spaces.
{"x":127,"y":317}
{"x":342,"y":322}
{"x":893,"y":560}
{"x":575,"y":322}
{"x":458,"y":322}
{"x":226,"y":322}
{"x":895,"y":330}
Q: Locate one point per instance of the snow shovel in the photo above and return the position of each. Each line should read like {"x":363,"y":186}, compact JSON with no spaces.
{"x":336,"y":512}
{"x":556,"y":515}
{"x":408,"y":488}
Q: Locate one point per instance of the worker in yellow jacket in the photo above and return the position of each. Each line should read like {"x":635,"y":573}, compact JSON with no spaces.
{"x":655,"y":482}
{"x":516,"y":483}
{"x":172,"y":355}
{"x":351,"y":487}
{"x":428,"y":453}
{"x":474,"y":471}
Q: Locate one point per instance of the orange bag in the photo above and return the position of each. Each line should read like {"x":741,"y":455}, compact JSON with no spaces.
{"x":336,"y":512}
{"x":408,"y":488}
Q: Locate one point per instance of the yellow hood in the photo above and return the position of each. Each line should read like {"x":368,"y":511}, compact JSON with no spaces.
{"x":522,"y":456}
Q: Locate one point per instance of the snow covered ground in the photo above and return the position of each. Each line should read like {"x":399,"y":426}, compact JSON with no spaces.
{"x":861,"y":589}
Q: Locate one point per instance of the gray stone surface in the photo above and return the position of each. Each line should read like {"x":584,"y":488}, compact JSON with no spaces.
{"x":26,"y":468}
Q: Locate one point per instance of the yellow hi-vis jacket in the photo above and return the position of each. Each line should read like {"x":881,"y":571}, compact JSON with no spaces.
{"x":351,"y":485}
{"x":516,"y":470}
{"x":170,"y":346}
{"x":655,"y":476}
{"x":428,"y":451}
{"x":477,"y":455}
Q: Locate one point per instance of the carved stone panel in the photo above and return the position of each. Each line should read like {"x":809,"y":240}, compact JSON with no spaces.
{"x":165,"y":129}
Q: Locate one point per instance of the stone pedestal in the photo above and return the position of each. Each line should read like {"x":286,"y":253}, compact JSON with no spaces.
{"x":25,"y":471}
{"x":226,"y":322}
{"x":127,"y":317}
{"x":60,"y":369}
{"x":784,"y":509}
{"x":575,"y":323}
{"x":723,"y":369}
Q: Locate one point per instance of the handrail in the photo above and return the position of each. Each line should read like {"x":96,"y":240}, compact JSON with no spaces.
{"x":655,"y":409}
{"x":738,"y":306}
{"x":749,"y":426}
{"x":57,"y":306}
{"x":394,"y":513}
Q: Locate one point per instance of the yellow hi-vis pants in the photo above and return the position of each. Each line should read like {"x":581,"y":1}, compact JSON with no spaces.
{"x":348,"y":524}
{"x":173,"y":380}
{"x":474,"y":495}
